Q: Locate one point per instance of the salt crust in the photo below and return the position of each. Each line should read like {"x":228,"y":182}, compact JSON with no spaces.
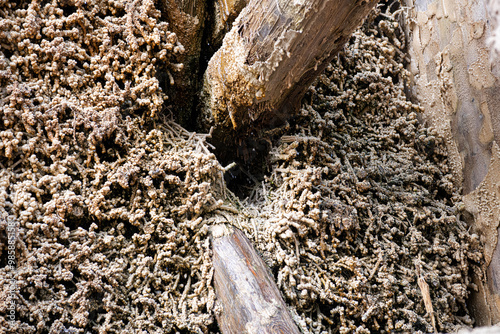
{"x":113,"y":204}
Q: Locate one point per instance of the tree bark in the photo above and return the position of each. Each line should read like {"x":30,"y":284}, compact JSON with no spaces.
{"x":187,"y":22}
{"x":274,"y":51}
{"x":250,"y":300}
{"x":224,"y":14}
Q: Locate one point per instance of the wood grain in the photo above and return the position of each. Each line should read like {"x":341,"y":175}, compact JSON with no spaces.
{"x":274,"y":51}
{"x":250,"y":299}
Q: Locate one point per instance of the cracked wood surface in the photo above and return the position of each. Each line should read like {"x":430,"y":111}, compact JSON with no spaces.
{"x":250,"y":299}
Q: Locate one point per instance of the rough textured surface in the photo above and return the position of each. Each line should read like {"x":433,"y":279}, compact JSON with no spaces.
{"x":360,"y":204}
{"x":246,"y":291}
{"x":187,"y":21}
{"x":456,"y":79}
{"x":119,"y":246}
{"x":357,"y":218}
{"x":274,"y":50}
{"x":225,"y":12}
{"x":494,"y":12}
{"x":105,"y":199}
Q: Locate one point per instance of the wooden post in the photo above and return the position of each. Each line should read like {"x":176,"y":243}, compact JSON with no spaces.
{"x":250,"y":299}
{"x":272,"y":54}
{"x":186,"y":20}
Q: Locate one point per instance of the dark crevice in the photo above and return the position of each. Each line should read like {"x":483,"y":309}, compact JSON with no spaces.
{"x":207,"y":50}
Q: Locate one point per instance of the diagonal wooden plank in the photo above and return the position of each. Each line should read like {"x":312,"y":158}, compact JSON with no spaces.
{"x":250,"y":299}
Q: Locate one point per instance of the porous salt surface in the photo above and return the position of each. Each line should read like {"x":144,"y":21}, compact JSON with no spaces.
{"x":113,"y":202}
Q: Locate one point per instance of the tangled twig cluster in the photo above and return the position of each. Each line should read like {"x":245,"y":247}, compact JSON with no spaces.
{"x":359,"y":218}
{"x":106,"y":197}
{"x":119,"y":246}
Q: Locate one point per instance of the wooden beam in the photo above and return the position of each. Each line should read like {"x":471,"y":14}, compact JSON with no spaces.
{"x":186,"y":19}
{"x":250,"y":299}
{"x":274,"y":51}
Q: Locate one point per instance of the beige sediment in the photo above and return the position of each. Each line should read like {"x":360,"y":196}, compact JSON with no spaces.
{"x":113,"y":203}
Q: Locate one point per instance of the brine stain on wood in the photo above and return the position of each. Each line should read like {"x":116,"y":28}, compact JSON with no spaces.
{"x":250,"y":299}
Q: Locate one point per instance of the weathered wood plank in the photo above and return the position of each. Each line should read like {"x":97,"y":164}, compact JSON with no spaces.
{"x":250,"y":299}
{"x":274,"y":51}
